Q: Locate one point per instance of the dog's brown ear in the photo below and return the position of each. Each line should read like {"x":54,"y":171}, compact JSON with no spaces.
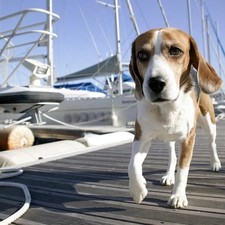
{"x":208,"y":80}
{"x":136,"y":75}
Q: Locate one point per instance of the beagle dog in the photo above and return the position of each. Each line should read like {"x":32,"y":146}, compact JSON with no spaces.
{"x":161,"y":65}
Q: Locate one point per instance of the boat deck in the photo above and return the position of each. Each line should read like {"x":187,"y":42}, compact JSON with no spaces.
{"x":92,"y":188}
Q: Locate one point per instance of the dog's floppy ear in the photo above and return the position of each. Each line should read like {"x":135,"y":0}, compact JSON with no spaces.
{"x":208,"y":80}
{"x":136,"y":75}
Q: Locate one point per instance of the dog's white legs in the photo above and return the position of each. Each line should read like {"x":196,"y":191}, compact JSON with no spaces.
{"x":169,"y":177}
{"x":210,"y":129}
{"x":178,"y":198}
{"x":214,"y":159}
{"x":137,"y":183}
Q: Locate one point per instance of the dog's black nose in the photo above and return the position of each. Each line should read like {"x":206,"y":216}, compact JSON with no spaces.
{"x":156,"y":84}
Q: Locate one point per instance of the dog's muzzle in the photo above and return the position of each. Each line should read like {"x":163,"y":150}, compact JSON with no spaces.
{"x":157,"y":87}
{"x":156,"y":84}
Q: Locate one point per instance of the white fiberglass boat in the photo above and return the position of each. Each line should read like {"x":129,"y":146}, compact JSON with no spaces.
{"x":78,"y":107}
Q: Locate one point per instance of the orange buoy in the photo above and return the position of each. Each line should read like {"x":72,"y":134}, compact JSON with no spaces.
{"x":15,"y":137}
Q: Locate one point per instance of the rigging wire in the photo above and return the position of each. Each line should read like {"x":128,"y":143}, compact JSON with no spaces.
{"x":210,"y":39}
{"x":217,"y":56}
{"x":214,"y":29}
{"x":201,"y":12}
{"x":128,"y":49}
{"x":104,"y":34}
{"x":124,"y":27}
{"x":89,"y":31}
{"x":146,"y":23}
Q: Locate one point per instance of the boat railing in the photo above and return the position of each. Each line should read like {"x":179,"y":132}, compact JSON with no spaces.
{"x":24,"y":27}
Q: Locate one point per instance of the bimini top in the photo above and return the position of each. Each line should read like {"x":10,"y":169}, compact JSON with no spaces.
{"x":108,"y":66}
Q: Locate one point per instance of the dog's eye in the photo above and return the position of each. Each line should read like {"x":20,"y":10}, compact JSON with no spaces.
{"x":175,"y":51}
{"x":142,"y":56}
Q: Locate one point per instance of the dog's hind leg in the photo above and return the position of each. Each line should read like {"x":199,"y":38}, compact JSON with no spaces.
{"x":169,"y":177}
{"x":210,"y":129}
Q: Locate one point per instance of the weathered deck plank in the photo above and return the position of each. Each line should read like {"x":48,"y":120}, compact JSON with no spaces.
{"x":93,"y":189}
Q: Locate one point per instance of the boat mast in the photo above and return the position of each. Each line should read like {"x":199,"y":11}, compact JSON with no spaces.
{"x":218,"y":47}
{"x":208,"y":38}
{"x":118,"y":46}
{"x":51,"y":78}
{"x":189,"y":17}
{"x":163,"y":13}
{"x":89,"y":31}
{"x":118,"y":54}
{"x":133,"y":17}
{"x":203,"y":28}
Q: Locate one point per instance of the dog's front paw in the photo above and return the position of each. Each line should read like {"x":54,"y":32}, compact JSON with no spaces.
{"x":138,"y":189}
{"x":215,"y":165}
{"x":178,"y":201}
{"x":168,"y":179}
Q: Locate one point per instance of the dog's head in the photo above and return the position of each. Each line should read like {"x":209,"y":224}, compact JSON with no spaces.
{"x":160,"y":65}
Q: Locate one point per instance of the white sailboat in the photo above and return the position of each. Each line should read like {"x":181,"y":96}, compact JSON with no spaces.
{"x":77,"y":107}
{"x":115,"y":110}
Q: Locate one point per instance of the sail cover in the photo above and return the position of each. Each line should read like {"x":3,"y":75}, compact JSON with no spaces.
{"x":108,"y":66}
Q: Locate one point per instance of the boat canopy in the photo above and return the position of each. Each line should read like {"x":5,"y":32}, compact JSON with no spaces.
{"x":108,"y":66}
{"x":86,"y":86}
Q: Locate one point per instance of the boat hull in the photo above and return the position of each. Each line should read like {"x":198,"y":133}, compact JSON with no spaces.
{"x":116,"y":111}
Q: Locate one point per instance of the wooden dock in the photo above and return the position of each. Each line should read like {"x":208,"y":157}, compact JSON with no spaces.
{"x":92,"y":189}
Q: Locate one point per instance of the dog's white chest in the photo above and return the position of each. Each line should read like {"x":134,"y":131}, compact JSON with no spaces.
{"x":173,"y":126}
{"x":167,"y":124}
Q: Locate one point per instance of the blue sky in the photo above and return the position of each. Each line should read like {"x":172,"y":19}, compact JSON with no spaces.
{"x":74,"y":48}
